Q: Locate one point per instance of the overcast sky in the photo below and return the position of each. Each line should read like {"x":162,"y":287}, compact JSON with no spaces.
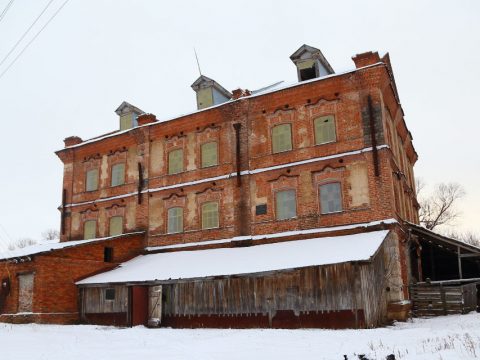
{"x":96,"y":53}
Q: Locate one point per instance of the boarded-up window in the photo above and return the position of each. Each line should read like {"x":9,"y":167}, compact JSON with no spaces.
{"x":282,"y":138}
{"x":175,"y":220}
{"x":91,"y":182}
{"x":25,"y":292}
{"x":285,"y":204}
{"x":90,"y":229}
{"x":175,"y":161}
{"x":116,"y":225}
{"x":118,"y":174}
{"x":209,"y":154}
{"x":330,"y":198}
{"x":324,"y":129}
{"x":210,"y":215}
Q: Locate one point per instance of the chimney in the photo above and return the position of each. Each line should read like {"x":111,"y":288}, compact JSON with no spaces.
{"x":72,"y":140}
{"x":146,"y":119}
{"x":128,"y":115}
{"x":365,"y":59}
{"x":310,"y":63}
{"x":238,"y":93}
{"x":209,"y":92}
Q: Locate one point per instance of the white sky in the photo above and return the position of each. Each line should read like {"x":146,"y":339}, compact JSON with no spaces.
{"x":97,"y":53}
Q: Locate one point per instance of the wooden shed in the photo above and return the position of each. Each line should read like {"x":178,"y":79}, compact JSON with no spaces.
{"x":329,"y":282}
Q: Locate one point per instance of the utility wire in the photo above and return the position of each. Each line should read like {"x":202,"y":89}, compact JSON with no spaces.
{"x":4,"y":12}
{"x":25,"y":33}
{"x":33,"y":39}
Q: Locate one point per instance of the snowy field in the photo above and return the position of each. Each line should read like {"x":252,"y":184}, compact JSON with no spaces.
{"x":452,"y":337}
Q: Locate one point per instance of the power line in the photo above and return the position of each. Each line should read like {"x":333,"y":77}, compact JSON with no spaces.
{"x":33,"y":39}
{"x":4,"y":12}
{"x":25,"y":33}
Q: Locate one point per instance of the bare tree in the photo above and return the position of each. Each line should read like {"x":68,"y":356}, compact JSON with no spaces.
{"x":439,"y":208}
{"x":467,"y":237}
{"x":50,"y":234}
{"x":21,"y":243}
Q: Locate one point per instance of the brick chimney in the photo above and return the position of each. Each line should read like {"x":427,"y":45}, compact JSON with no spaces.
{"x":72,"y":140}
{"x":238,"y":93}
{"x":365,"y":59}
{"x":146,"y":119}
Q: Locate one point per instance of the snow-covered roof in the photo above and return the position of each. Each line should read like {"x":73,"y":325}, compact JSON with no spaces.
{"x":47,"y":247}
{"x":243,"y":260}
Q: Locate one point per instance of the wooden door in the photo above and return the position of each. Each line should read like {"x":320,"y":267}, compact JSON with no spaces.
{"x":25,"y":293}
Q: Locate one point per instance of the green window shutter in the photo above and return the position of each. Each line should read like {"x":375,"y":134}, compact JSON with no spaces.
{"x":92,"y":180}
{"x":175,"y":161}
{"x":285,"y":204}
{"x":118,"y":174}
{"x":330,"y":198}
{"x":282,"y":138}
{"x":210,"y":215}
{"x":324,"y":129}
{"x":90,"y":229}
{"x":209,"y":154}
{"x":175,"y":220}
{"x":116,"y":225}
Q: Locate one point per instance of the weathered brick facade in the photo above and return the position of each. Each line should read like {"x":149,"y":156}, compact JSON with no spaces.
{"x":371,"y":159}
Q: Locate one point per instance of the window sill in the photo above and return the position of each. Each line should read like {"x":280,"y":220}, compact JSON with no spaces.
{"x":332,"y":212}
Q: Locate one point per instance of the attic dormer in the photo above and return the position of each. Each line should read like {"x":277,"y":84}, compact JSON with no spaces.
{"x":209,"y":92}
{"x":128,"y":115}
{"x":310,"y":63}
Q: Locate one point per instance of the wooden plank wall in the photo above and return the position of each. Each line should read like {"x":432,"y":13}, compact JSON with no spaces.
{"x":312,"y":289}
{"x":94,"y":300}
{"x":373,"y":282}
{"x":436,"y":300}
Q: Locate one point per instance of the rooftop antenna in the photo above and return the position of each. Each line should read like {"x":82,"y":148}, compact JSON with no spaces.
{"x":198,"y":63}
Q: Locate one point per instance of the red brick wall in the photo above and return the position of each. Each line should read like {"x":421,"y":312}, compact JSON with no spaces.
{"x":55,"y":293}
{"x":343,"y":96}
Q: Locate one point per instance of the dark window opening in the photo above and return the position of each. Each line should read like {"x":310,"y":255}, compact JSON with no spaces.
{"x":109,"y":294}
{"x":261,"y":209}
{"x":308,"y":73}
{"x":108,"y":254}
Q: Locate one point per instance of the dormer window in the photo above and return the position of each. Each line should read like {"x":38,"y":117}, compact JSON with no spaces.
{"x":310,"y":63}
{"x":128,"y":115}
{"x":209,"y":92}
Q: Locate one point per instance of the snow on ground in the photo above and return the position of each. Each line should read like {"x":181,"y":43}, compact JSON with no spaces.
{"x":452,"y":337}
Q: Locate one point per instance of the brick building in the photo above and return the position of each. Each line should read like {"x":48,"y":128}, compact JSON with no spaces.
{"x":325,"y":158}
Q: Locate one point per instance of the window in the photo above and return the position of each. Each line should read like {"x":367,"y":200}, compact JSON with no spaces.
{"x":175,"y":161}
{"x":108,"y":254}
{"x":90,"y":229}
{"x":324,"y":129}
{"x":118,"y":174}
{"x":282,"y":138}
{"x":286,"y":206}
{"x":210,"y":215}
{"x":175,"y":220}
{"x":109,"y":294}
{"x":209,"y":154}
{"x":91,"y":183}
{"x":330,"y":198}
{"x":116,"y":225}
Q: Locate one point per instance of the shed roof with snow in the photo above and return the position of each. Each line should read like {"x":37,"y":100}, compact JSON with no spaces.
{"x":244,"y":260}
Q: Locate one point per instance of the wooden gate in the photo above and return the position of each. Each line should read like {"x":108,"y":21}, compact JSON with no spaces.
{"x":443,"y":298}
